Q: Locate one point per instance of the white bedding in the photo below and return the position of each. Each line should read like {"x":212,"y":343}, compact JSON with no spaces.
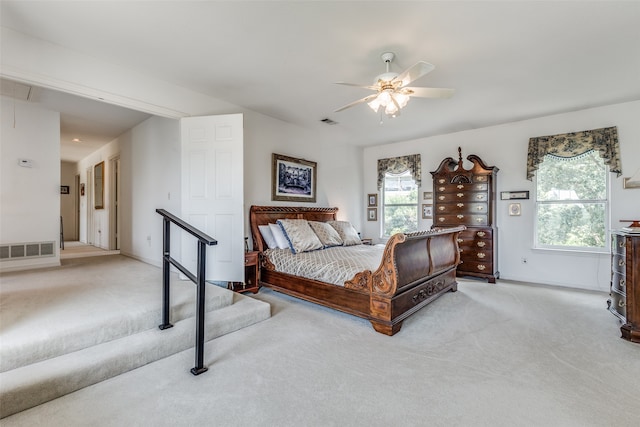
{"x":332,"y":265}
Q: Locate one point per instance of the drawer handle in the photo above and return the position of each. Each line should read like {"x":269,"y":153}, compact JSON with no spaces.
{"x":460,"y":194}
{"x":480,"y":208}
{"x":441,"y":208}
{"x":479,"y":220}
{"x":440,"y":197}
{"x":481,"y":178}
{"x":441,"y":181}
{"x":481,"y":244}
{"x":480,"y":186}
{"x":480,"y":197}
{"x":481,"y":267}
{"x":481,"y":233}
{"x":460,"y":240}
{"x":441,"y":219}
{"x":459,"y":216}
{"x":460,"y":205}
{"x":460,"y":186}
{"x":621,"y":262}
{"x":440,"y":188}
{"x":481,"y":254}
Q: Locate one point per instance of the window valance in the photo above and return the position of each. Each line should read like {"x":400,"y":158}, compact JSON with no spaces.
{"x":399,"y":165}
{"x":567,"y":145}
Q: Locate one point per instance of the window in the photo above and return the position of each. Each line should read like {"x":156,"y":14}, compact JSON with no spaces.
{"x":572,"y":203}
{"x":399,"y":203}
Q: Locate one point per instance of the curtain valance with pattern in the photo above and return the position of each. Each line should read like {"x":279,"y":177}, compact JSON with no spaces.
{"x":604,"y":140}
{"x":398,"y":165}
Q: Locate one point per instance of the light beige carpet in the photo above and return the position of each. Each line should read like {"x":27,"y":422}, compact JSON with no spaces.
{"x":488,"y":355}
{"x":64,"y":328}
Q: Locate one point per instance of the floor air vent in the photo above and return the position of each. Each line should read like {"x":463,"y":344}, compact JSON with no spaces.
{"x":26,"y":250}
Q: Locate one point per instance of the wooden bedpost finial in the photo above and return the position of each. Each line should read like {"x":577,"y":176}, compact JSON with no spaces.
{"x":460,"y":157}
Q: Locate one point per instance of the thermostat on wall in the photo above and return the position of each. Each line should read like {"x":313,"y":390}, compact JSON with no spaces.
{"x":25,"y":163}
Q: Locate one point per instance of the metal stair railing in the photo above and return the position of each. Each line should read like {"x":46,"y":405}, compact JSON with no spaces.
{"x":199,"y":279}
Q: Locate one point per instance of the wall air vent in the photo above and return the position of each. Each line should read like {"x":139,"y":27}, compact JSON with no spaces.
{"x":15,"y":251}
{"x":328,"y":121}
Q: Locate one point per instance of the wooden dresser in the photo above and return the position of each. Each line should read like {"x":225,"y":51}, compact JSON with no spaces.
{"x":467,"y":197}
{"x":625,"y":283}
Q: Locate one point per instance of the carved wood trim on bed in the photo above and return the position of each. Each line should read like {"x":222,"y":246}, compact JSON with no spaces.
{"x":416,"y":268}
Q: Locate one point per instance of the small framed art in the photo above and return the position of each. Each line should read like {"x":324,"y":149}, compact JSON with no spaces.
{"x":372,"y":214}
{"x":427,"y":195}
{"x":64,"y":189}
{"x":511,"y":195}
{"x":372,"y":200}
{"x":427,"y":211}
{"x":514,"y":209}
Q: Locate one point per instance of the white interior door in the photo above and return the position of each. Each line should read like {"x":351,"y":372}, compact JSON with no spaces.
{"x":213,"y":193}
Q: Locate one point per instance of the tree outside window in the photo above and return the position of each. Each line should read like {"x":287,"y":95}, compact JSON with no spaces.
{"x":400,"y":204}
{"x":571,"y":203}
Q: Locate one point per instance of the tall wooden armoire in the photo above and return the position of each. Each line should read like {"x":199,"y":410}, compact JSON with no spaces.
{"x":468,"y":197}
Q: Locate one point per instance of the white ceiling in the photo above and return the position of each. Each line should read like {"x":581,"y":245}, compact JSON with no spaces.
{"x":508,"y":60}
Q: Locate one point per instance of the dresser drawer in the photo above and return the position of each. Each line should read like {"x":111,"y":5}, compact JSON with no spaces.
{"x":619,"y":283}
{"x":619,"y":303}
{"x":462,"y":207}
{"x":462,"y":196}
{"x":476,"y":267}
{"x":464,"y":219}
{"x":461,"y":187}
{"x":250,"y":258}
{"x":618,"y":263}
{"x":618,"y":244}
{"x":478,"y":255}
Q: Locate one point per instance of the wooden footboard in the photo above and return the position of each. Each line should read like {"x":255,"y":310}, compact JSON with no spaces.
{"x":416,"y":268}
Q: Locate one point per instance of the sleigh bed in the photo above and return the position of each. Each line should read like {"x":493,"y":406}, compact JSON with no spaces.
{"x":415,"y":269}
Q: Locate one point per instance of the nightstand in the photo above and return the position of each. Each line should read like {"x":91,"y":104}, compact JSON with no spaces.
{"x":251,"y":274}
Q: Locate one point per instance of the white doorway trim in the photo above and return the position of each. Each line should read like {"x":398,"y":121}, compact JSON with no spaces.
{"x":115,"y":216}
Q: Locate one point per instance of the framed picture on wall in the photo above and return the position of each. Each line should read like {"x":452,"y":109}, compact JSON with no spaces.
{"x":292,"y":179}
{"x":372,"y":200}
{"x":64,"y":189}
{"x":514,"y":209}
{"x":427,"y":211}
{"x":372,"y":214}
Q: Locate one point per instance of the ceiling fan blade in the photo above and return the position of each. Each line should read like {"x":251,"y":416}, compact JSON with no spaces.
{"x":429,"y":92}
{"x":413,"y":73}
{"x":359,"y":101}
{"x":357,"y":85}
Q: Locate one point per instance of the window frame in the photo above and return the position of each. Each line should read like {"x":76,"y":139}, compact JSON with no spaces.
{"x":606,"y":220}
{"x":383,"y":204}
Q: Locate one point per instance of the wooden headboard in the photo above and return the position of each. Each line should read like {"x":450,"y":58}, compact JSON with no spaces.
{"x":262,"y":215}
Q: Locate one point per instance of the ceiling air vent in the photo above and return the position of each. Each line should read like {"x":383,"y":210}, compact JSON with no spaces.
{"x":328,"y":121}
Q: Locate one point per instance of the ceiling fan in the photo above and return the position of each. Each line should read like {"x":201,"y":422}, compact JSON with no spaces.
{"x":392,"y":92}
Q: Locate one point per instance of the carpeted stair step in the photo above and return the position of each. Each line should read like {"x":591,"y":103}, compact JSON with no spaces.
{"x":118,"y":315}
{"x":34,"y":384}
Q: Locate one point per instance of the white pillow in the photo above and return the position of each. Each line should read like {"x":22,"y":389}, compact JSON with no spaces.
{"x":347,"y":233}
{"x":267,"y":235}
{"x":278,"y":235}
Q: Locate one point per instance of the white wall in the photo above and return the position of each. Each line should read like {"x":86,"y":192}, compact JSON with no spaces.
{"x":150,"y":180}
{"x":505,"y":146}
{"x":339,"y":169}
{"x":29,"y":197}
